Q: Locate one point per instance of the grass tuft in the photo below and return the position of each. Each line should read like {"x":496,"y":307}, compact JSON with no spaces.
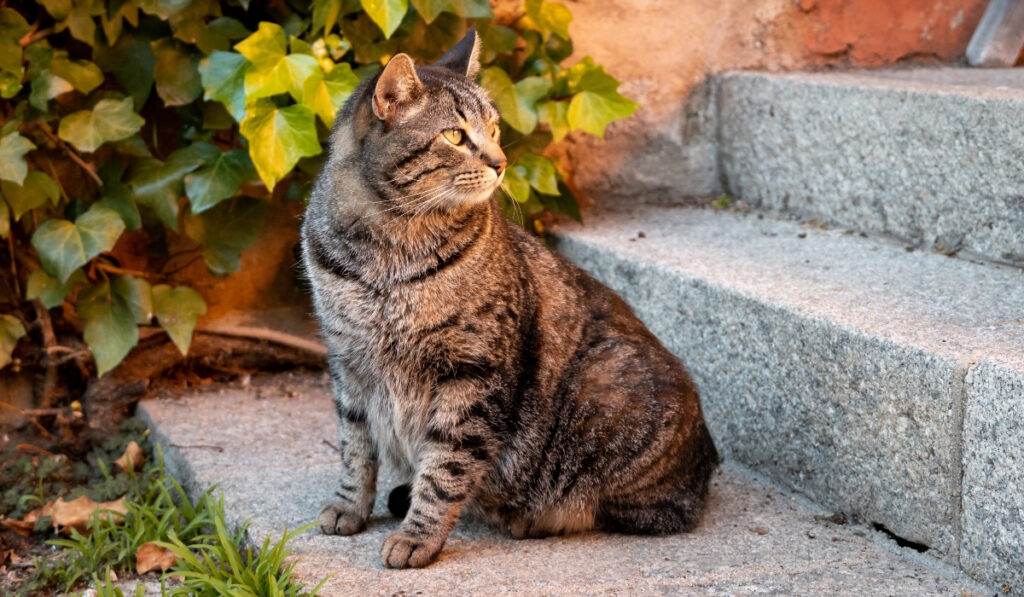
{"x":211,"y":561}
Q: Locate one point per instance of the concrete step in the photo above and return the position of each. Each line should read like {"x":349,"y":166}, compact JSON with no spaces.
{"x":879,"y":382}
{"x":270,"y":457}
{"x":932,"y":156}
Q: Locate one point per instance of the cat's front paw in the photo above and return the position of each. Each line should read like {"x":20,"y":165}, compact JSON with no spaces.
{"x":403,"y":551}
{"x":337,"y":518}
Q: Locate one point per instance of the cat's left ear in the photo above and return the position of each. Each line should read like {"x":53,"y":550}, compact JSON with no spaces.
{"x":464,"y":57}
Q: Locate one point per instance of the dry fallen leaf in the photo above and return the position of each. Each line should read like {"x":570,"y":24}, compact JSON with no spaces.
{"x":78,"y":512}
{"x":132,"y":457}
{"x":21,"y":527}
{"x":151,"y":556}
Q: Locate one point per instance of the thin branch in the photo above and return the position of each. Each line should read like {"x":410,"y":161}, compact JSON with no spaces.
{"x":14,"y":264}
{"x":71,"y":153}
{"x":33,"y":36}
{"x":29,"y":417}
{"x":49,"y":342}
{"x":113,"y":269}
{"x":185,"y":266}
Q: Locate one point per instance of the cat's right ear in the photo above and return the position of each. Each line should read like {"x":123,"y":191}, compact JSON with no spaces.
{"x":398,"y":85}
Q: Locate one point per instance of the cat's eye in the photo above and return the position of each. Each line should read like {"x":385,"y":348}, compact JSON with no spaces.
{"x":494,"y":132}
{"x":454,"y":136}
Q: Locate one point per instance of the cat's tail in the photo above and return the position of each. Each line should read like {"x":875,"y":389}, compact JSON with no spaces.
{"x":399,"y":500}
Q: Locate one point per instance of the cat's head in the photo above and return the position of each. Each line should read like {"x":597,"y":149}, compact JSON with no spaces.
{"x":432,"y":141}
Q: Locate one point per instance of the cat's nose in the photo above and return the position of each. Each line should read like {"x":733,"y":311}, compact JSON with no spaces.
{"x":498,"y":163}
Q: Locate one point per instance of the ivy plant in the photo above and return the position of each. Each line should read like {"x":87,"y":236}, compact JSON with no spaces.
{"x":182,"y":120}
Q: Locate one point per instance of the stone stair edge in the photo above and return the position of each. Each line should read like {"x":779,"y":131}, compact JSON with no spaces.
{"x":978,"y":383}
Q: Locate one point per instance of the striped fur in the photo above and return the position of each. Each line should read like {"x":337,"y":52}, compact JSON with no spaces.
{"x":495,"y":376}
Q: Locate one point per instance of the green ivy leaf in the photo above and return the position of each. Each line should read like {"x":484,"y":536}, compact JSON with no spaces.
{"x":118,"y":197}
{"x":326,"y":94}
{"x":177,"y":310}
{"x":494,"y":40}
{"x":11,"y":330}
{"x":516,"y":183}
{"x":45,"y":87}
{"x":219,"y":180}
{"x":49,"y":290}
{"x":82,"y":74}
{"x":598,"y":103}
{"x":191,"y":27}
{"x":279,"y":138}
{"x":109,"y":120}
{"x":540,"y":171}
{"x":387,"y":14}
{"x":223,"y":78}
{"x":13,"y":27}
{"x":273,"y":69}
{"x":226,"y":230}
{"x":110,"y":329}
{"x":132,"y":61}
{"x":162,"y":8}
{"x":556,"y":116}
{"x":113,"y":22}
{"x":137,"y":296}
{"x":176,"y":73}
{"x":516,"y":102}
{"x":10,"y":83}
{"x":158,"y":185}
{"x":325,"y":15}
{"x":33,"y":193}
{"x":64,"y":247}
{"x":564,"y":203}
{"x":13,"y":148}
{"x":471,"y":9}
{"x":549,"y":17}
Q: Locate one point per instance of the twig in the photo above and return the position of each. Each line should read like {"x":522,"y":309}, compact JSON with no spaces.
{"x":49,"y":342}
{"x":34,"y":35}
{"x":113,"y":269}
{"x":332,"y":446}
{"x":71,"y":153}
{"x":14,"y":263}
{"x":185,"y":266}
{"x":29,"y":417}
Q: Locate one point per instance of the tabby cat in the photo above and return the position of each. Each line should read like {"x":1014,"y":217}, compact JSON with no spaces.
{"x":496,"y":377}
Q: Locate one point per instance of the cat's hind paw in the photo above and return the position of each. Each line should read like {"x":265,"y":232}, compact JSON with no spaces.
{"x":403,"y":551}
{"x":337,"y":518}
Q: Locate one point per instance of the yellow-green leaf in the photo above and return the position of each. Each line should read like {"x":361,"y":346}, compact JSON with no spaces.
{"x":556,"y":116}
{"x":387,"y":14}
{"x":273,"y":69}
{"x":516,"y":102}
{"x":177,"y":310}
{"x":598,"y":103}
{"x":540,"y":171}
{"x":82,"y":74}
{"x":11,"y":330}
{"x":33,"y":193}
{"x":325,"y":94}
{"x":279,"y":138}
{"x":13,"y":148}
{"x":109,"y":120}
